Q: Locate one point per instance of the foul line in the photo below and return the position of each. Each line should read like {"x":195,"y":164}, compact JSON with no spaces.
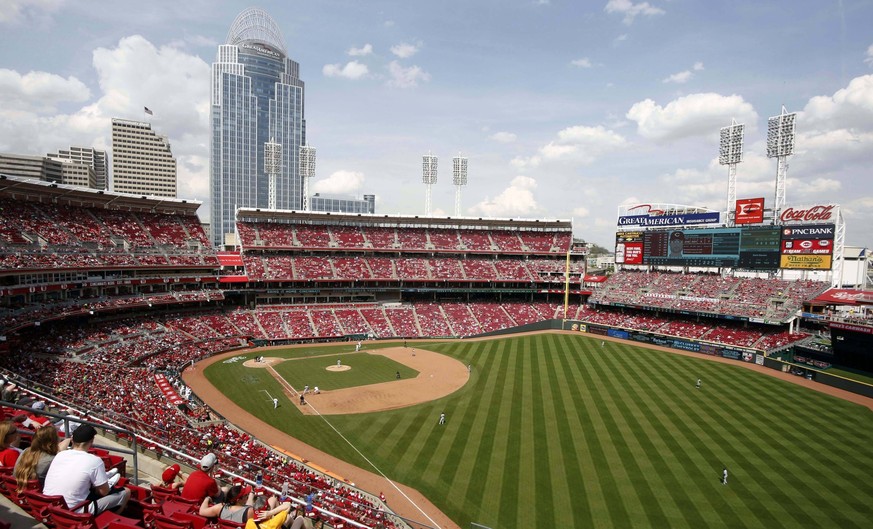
{"x":289,"y":387}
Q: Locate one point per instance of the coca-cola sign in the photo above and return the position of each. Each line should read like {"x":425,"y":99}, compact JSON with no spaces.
{"x":815,"y":213}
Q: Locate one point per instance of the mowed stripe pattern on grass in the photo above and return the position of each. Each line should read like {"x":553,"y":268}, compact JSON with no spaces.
{"x":555,"y":431}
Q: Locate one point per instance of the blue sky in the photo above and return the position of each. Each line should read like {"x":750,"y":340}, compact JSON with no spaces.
{"x":565,"y":109}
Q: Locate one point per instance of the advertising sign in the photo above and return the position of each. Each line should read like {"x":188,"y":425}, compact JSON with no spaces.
{"x":749,"y":211}
{"x":812,"y":231}
{"x":808,"y":247}
{"x":805,"y":262}
{"x":685,"y":219}
{"x":629,"y":247}
{"x":811,"y":214}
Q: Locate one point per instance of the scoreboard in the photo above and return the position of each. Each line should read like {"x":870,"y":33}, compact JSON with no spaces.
{"x":747,"y":247}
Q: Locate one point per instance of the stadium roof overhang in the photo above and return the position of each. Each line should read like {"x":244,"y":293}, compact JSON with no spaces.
{"x":317,"y":217}
{"x":32,"y":190}
{"x":844,"y":296}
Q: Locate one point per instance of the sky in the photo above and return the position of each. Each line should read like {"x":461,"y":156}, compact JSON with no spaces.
{"x":564,"y":109}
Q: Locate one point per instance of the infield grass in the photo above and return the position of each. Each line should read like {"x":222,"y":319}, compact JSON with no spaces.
{"x":555,"y":431}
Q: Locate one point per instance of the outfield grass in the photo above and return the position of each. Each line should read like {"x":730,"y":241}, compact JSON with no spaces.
{"x":555,"y":431}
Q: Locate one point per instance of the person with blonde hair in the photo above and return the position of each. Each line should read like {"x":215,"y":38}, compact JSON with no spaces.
{"x":35,"y":460}
{"x":9,"y":439}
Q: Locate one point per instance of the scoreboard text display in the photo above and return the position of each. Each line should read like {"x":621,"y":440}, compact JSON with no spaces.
{"x":801,"y":247}
{"x":754,"y":248}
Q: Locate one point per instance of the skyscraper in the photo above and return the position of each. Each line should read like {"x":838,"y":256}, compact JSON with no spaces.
{"x":142,"y":162}
{"x":257,"y":97}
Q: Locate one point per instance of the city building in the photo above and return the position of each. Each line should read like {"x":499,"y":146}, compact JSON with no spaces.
{"x":334,"y":204}
{"x":94,"y":158}
{"x":257,"y":98}
{"x":78,"y":174}
{"x":38,"y":167}
{"x":142,"y":162}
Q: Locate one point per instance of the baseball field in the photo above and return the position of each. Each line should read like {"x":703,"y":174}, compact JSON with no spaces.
{"x":556,"y":430}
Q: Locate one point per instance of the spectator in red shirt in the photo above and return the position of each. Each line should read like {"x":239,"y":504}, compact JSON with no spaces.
{"x":9,"y":439}
{"x":200,"y":484}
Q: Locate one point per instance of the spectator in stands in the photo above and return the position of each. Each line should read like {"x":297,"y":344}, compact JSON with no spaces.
{"x":200,"y":484}
{"x":168,"y":478}
{"x":81,"y":477}
{"x":9,"y":439}
{"x":36,"y":459}
{"x":238,"y":506}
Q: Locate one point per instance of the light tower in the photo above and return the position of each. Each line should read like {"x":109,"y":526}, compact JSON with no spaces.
{"x":730,"y":153}
{"x":780,"y":145}
{"x":307,"y":171}
{"x":459,"y":178}
{"x":272,"y":166}
{"x":428,"y":177}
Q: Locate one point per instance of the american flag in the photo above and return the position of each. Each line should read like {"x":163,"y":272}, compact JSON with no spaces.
{"x":148,"y":111}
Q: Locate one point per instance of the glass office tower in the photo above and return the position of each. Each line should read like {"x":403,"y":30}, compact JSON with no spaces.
{"x":257,"y":96}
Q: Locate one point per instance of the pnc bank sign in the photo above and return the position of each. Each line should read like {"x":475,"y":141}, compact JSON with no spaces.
{"x":814,"y":214}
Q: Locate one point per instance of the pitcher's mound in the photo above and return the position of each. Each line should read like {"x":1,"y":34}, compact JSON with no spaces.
{"x":338,"y":368}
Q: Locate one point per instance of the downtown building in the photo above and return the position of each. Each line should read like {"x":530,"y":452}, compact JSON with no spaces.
{"x":142,"y":162}
{"x":90,"y":157}
{"x":257,"y":98}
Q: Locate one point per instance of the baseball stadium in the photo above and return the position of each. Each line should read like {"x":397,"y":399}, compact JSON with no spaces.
{"x":421,"y":372}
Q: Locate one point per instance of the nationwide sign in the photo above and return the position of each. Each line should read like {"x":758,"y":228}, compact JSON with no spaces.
{"x":683,"y":219}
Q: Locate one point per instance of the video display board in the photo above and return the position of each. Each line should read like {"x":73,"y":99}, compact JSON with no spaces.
{"x":803,"y":247}
{"x":753,"y":247}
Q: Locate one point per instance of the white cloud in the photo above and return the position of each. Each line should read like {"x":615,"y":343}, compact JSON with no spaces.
{"x":404,"y":50}
{"x":39,"y":91}
{"x":31,"y":11}
{"x":691,"y":115}
{"x":517,"y":199}
{"x":366,"y":49}
{"x":581,"y":211}
{"x":869,"y":58}
{"x":352,"y":70}
{"x":504,"y":137}
{"x":406,"y":77}
{"x":684,"y":76}
{"x":584,"y":62}
{"x":849,"y":107}
{"x":679,"y":78}
{"x":340,"y":182}
{"x":579,"y":144}
{"x":630,"y":10}
{"x":620,"y":38}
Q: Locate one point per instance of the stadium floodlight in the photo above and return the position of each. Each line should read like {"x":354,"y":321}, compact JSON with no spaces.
{"x":307,"y":171}
{"x":428,"y":177}
{"x":780,"y":145}
{"x":730,"y":153}
{"x":272,"y":166}
{"x":459,"y":178}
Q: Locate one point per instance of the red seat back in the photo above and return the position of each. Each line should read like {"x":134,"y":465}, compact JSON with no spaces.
{"x":38,"y":504}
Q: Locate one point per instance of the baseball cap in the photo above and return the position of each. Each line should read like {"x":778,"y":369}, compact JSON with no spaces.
{"x":208,"y":461}
{"x":171,"y":473}
{"x":677,"y":235}
{"x":84,"y":433}
{"x":39,"y":405}
{"x":245,"y":491}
